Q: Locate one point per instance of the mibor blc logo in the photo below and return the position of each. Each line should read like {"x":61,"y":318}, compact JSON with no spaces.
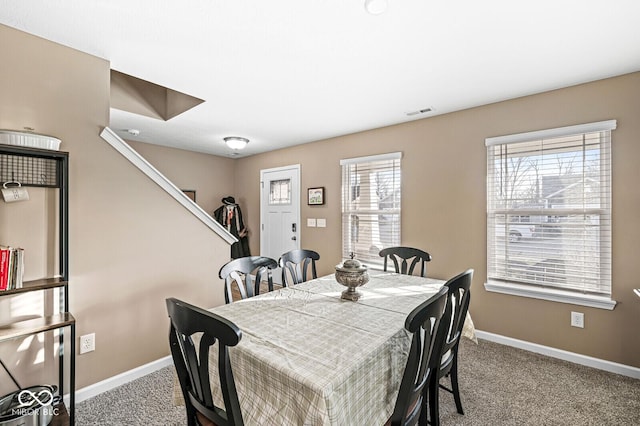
{"x":32,"y":402}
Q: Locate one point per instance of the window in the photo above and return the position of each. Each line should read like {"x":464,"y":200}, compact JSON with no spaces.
{"x":280,"y":192}
{"x":370,"y":206}
{"x":549,"y":214}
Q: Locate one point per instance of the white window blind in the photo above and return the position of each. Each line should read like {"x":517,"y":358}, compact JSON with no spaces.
{"x":549,"y":209}
{"x":370,"y":205}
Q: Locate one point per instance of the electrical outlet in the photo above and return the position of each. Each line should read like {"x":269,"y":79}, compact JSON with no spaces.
{"x":577,"y":319}
{"x":87,"y":343}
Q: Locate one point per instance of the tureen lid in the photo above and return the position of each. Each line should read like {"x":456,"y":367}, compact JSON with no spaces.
{"x":351,"y":265}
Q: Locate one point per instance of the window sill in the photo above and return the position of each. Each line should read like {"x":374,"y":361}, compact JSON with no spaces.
{"x":554,"y":295}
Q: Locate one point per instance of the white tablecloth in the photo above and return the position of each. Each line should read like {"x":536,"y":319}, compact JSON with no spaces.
{"x":309,"y":358}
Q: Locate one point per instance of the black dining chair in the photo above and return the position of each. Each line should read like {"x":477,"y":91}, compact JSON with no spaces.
{"x":423,"y":361}
{"x":192,"y":363}
{"x":400,"y":256}
{"x":459,"y":296}
{"x":239,"y":273}
{"x":298,"y":266}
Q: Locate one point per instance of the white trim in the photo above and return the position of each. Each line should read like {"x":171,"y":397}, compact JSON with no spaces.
{"x":637,"y":291}
{"x":130,"y":154}
{"x":280,"y":169}
{"x":600,"y":364}
{"x":600,"y":126}
{"x":552,"y":294}
{"x":370,"y":158}
{"x":120,"y":379}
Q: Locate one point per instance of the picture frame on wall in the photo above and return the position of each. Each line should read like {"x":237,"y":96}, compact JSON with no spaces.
{"x":315,"y":196}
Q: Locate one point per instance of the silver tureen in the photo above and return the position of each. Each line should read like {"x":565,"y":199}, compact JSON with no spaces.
{"x":352,"y":274}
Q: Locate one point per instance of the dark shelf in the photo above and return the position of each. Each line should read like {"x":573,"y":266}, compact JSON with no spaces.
{"x":26,"y":151}
{"x":31,"y":167}
{"x":35,"y":325}
{"x":42,"y":284}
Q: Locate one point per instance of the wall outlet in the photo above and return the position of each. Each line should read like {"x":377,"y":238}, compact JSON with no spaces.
{"x":577,"y":319}
{"x":87,"y":343}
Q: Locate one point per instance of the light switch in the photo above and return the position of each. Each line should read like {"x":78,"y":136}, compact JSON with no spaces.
{"x":311,"y":223}
{"x":322,"y":223}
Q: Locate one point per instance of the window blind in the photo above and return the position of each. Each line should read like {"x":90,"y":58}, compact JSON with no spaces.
{"x":549,"y":208}
{"x":371,"y":192}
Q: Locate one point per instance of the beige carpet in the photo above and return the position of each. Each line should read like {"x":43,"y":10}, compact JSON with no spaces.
{"x":500,"y":385}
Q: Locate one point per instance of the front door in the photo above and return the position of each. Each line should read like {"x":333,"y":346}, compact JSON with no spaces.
{"x":279,"y":212}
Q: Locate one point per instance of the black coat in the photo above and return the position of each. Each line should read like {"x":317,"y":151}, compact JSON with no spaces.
{"x":230,"y":216}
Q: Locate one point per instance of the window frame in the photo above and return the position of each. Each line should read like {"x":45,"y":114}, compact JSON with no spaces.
{"x":349,"y":210}
{"x":555,"y":293}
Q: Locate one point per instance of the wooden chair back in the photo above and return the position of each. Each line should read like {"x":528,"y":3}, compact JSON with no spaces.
{"x":423,"y":322}
{"x":459,"y":288}
{"x":239,"y":273}
{"x":401,"y":256}
{"x":458,"y":298}
{"x":298,"y":266}
{"x":192,"y":362}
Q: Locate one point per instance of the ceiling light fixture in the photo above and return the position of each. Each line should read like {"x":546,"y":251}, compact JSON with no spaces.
{"x":375,"y":7}
{"x":236,"y":142}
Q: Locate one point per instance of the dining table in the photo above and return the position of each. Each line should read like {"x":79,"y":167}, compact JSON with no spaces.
{"x":308,"y":357}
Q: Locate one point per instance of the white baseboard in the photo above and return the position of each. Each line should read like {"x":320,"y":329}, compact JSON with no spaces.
{"x":120,"y":379}
{"x":600,"y":364}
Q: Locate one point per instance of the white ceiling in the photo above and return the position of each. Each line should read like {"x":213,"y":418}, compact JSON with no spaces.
{"x":287,"y":72}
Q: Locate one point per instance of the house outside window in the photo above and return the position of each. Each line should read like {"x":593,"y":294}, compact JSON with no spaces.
{"x":549,"y":214}
{"x":371,"y":200}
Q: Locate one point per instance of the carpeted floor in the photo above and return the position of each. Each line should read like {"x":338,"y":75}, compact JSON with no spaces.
{"x":146,"y":401}
{"x":499,"y":385}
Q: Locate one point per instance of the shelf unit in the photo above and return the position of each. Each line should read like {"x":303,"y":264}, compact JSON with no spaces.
{"x":49,"y":169}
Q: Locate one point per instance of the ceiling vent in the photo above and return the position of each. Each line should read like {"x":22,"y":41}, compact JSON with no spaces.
{"x":421,"y":111}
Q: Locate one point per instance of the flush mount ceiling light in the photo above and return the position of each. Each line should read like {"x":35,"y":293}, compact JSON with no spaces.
{"x":375,"y":7}
{"x":236,"y":142}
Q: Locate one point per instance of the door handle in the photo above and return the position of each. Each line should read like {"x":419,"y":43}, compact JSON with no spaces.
{"x":294,"y":238}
